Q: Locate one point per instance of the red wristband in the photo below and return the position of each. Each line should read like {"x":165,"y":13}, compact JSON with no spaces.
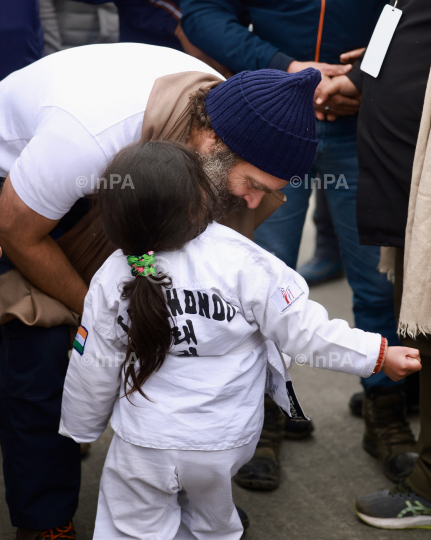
{"x":382,"y":356}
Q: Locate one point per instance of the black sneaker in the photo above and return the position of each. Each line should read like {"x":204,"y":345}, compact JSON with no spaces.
{"x":67,"y":531}
{"x":398,"y":508}
{"x":243,"y":517}
{"x":298,"y":429}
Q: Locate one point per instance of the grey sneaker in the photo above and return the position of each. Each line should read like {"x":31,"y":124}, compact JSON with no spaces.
{"x":397,"y":508}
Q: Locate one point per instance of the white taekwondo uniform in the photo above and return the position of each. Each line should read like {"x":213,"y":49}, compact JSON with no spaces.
{"x":231,"y":301}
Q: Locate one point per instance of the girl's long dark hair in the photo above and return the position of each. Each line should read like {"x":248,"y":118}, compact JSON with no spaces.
{"x":164,"y":202}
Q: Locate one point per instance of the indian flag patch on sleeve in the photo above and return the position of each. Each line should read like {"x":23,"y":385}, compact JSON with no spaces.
{"x":80,"y":339}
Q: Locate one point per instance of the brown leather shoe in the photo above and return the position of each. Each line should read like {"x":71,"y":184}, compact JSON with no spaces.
{"x":388,"y":435}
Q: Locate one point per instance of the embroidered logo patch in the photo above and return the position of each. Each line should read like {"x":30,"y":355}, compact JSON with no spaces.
{"x":286,"y":296}
{"x":80,"y":340}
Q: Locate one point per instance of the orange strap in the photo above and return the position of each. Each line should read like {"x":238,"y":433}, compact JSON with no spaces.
{"x":59,"y":532}
{"x":382,"y":356}
{"x":320,"y":30}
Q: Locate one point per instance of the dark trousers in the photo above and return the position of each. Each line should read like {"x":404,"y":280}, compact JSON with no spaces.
{"x":326,"y":240}
{"x":420,"y":479}
{"x":41,"y":468}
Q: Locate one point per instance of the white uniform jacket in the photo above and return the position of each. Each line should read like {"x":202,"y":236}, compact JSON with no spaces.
{"x":231,"y":302}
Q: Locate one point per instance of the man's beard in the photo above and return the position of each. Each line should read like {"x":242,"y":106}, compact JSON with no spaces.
{"x":217,"y":167}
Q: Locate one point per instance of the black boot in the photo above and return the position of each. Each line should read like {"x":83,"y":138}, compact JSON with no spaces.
{"x":355,"y":403}
{"x":262,"y":472}
{"x":411,"y":389}
{"x":245,"y":522}
{"x":387,"y":432}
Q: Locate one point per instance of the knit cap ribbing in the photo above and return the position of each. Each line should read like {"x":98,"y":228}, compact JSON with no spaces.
{"x":267,"y":118}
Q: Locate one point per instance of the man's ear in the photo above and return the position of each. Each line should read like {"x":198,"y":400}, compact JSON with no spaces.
{"x":203,"y":141}
{"x":211,"y":141}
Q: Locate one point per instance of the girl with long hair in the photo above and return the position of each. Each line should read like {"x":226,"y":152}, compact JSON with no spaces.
{"x":180,"y":338}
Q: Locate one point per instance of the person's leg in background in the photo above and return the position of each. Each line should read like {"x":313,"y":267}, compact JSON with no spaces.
{"x":280,"y":234}
{"x":326,"y":263}
{"x":387,"y":432}
{"x":407,"y":505}
{"x":420,"y":479}
{"x":41,"y":468}
{"x":262,"y":472}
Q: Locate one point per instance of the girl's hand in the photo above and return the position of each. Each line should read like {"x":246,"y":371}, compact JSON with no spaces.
{"x":400,"y":362}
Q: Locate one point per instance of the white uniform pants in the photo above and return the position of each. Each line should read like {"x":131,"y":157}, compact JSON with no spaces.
{"x":151,"y":494}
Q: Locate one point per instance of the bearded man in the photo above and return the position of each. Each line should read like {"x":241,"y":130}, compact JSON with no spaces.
{"x":61,"y":120}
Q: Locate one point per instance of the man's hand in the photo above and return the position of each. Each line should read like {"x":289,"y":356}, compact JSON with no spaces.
{"x":330,"y":70}
{"x":190,"y":49}
{"x":336,"y":97}
{"x":338,"y":85}
{"x":24,"y":236}
{"x":350,"y":57}
{"x":339,"y":106}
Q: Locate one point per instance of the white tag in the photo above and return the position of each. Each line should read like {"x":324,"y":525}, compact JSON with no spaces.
{"x":286,"y":296}
{"x":380,"y":40}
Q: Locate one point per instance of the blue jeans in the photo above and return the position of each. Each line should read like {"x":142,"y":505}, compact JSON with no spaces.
{"x":336,"y":157}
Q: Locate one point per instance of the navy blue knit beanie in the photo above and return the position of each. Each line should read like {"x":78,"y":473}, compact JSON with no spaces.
{"x":267,"y":118}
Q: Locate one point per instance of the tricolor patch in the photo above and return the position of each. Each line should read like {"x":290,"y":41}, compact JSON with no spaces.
{"x":80,"y":339}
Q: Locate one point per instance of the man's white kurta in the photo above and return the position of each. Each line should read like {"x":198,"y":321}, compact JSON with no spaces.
{"x":227,"y":292}
{"x":64,"y":117}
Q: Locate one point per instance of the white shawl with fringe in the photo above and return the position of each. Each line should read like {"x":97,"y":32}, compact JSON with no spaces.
{"x":415,"y":314}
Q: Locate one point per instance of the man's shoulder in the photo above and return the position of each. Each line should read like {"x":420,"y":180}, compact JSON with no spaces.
{"x":101,"y":85}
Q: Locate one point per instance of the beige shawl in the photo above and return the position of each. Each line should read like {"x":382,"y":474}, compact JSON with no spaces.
{"x":415,"y":314}
{"x":167,"y":118}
